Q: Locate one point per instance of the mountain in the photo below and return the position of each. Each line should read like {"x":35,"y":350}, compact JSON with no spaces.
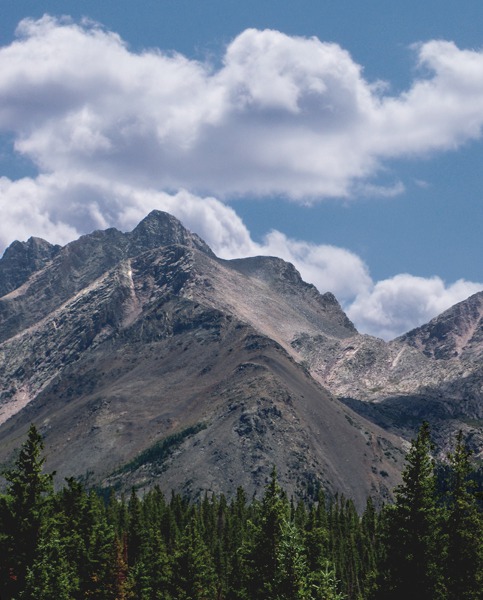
{"x":21,"y":259}
{"x":433,"y":373}
{"x":143,"y":358}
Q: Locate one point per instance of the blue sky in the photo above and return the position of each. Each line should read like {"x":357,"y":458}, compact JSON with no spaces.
{"x":343,"y":136}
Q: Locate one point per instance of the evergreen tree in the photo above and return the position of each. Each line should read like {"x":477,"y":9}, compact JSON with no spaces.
{"x":346,"y":545}
{"x":151,"y":577}
{"x":325,"y":585}
{"x":136,"y":529}
{"x":22,"y":511}
{"x":292,"y":571}
{"x":193,"y":571}
{"x":74,"y":545}
{"x":369,"y":557}
{"x":235,"y":543}
{"x":262,"y":550}
{"x":99,"y":569}
{"x":464,"y":529}
{"x":322,"y":580}
{"x":411,"y":567}
{"x":51,"y":576}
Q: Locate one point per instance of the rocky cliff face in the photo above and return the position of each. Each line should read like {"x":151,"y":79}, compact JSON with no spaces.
{"x":21,"y":259}
{"x":143,"y":358}
{"x":432,"y":373}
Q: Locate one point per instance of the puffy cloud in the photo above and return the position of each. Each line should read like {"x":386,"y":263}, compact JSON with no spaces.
{"x":286,"y":115}
{"x":394,"y":306}
{"x":329,"y":268}
{"x":59,"y":210}
{"x":114,"y":134}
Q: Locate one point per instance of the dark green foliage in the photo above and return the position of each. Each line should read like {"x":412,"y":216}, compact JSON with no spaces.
{"x":83,"y":545}
{"x":194,"y":573}
{"x":160,"y":451}
{"x":431,"y":538}
{"x":263,"y":545}
{"x":412,"y":530}
{"x":51,"y":574}
{"x":463,"y":527}
{"x":21,"y":512}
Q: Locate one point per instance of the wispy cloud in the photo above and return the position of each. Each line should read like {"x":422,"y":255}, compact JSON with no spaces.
{"x":113,"y":134}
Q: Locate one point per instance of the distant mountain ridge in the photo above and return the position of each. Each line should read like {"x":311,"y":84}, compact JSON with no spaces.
{"x":117,"y":342}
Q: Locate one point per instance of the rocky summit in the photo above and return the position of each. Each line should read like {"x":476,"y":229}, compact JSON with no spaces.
{"x":144,"y":359}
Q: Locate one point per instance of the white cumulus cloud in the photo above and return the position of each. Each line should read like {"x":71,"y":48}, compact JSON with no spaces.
{"x":113,"y":134}
{"x":385,"y":309}
{"x":286,"y":115}
{"x":396,"y":305}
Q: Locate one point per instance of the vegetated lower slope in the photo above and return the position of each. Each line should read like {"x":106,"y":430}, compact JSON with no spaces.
{"x":70,"y":543}
{"x":123,"y":340}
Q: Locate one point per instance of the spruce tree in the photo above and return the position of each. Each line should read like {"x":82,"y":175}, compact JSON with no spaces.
{"x":136,"y":529}
{"x":193,"y":571}
{"x":235,"y":543}
{"x":414,"y":552}
{"x":99,"y":571}
{"x":464,"y":529}
{"x":292,"y":569}
{"x":22,"y":511}
{"x":326,"y":586}
{"x":50,"y":576}
{"x":263,"y":547}
{"x":369,"y":558}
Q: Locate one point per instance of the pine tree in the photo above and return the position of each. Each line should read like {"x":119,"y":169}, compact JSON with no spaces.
{"x":51,"y":575}
{"x":464,"y":529}
{"x":22,"y":511}
{"x":235,"y":543}
{"x":317,"y":536}
{"x":326,"y":586}
{"x":411,"y":567}
{"x":346,"y":545}
{"x":136,"y":529}
{"x":292,"y":570}
{"x":193,"y":571}
{"x":322,"y":580}
{"x":369,"y":558}
{"x":99,"y":569}
{"x":263,"y":545}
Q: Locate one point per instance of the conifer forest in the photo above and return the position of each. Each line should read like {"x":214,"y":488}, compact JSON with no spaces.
{"x":74,"y":543}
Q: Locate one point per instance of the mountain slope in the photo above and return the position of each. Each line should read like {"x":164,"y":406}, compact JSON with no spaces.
{"x":141,"y":336}
{"x":433,"y":373}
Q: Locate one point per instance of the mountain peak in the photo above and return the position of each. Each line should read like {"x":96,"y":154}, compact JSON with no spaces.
{"x":160,"y":228}
{"x":452,"y":332}
{"x":21,"y":259}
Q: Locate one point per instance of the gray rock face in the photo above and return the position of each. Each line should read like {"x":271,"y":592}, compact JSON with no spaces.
{"x":434,"y":372}
{"x":457,"y":333}
{"x":118,"y":341}
{"x":21,"y":259}
{"x":162,"y":229}
{"x":78,"y":264}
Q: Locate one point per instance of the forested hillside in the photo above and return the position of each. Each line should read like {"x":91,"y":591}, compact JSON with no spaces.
{"x":75,"y":543}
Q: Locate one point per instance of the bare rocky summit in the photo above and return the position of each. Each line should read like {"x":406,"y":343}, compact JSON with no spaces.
{"x":143,"y":358}
{"x":21,"y":259}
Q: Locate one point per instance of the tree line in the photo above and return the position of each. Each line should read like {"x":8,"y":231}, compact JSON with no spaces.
{"x":74,"y":543}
